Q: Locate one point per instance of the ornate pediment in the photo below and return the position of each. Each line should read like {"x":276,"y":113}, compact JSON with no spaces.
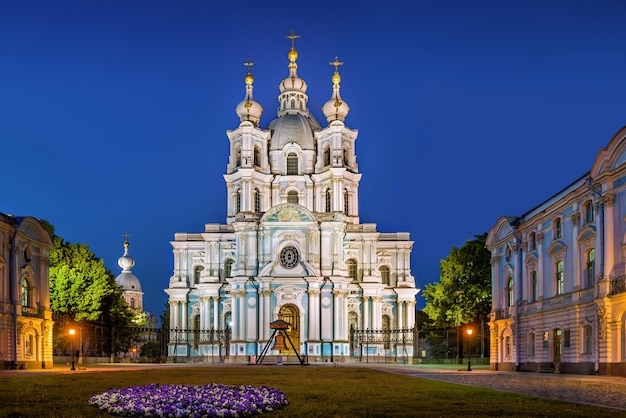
{"x":288,"y":212}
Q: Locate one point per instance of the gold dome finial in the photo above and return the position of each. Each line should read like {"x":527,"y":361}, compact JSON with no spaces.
{"x":249,"y":79}
{"x":293,"y":54}
{"x":336,"y":77}
{"x":126,"y":235}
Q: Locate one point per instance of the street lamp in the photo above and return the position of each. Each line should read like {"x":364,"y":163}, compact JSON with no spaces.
{"x":469,"y":360}
{"x":72,"y":333}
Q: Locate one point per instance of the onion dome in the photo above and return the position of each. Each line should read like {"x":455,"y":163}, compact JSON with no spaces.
{"x":249,"y":109}
{"x":293,"y":83}
{"x":127,"y":280}
{"x":335,"y":108}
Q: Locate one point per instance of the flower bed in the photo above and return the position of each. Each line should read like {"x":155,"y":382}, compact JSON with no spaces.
{"x":210,"y":400}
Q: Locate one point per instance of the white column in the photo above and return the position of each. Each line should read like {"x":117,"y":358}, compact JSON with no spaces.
{"x":314,"y":308}
{"x":336,"y":294}
{"x":242,"y":314}
{"x":366,"y":312}
{"x":400,"y":314}
{"x":215,"y":312}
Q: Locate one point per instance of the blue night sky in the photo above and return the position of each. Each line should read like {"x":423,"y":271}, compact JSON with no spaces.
{"x":113,"y":114}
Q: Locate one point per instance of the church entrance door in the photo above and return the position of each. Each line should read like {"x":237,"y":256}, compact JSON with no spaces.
{"x":291,"y":315}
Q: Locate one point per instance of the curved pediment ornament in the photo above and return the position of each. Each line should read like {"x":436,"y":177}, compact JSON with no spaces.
{"x":288,"y":294}
{"x":531,"y":258}
{"x":556,"y":248}
{"x":288,"y":212}
{"x":354,"y":305}
{"x":387,"y":309}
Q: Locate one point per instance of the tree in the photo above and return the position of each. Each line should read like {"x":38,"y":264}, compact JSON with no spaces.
{"x":463,"y":293}
{"x":81,"y":286}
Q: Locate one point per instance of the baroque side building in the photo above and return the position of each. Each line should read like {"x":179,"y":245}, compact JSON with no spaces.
{"x":559,"y":276}
{"x":292,"y":247}
{"x":25,"y":314}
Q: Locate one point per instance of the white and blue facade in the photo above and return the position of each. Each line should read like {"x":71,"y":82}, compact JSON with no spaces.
{"x":292,"y":247}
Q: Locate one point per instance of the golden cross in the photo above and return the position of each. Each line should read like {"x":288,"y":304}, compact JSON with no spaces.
{"x":248,"y":64}
{"x":126,"y":235}
{"x":336,"y":63}
{"x":293,"y":37}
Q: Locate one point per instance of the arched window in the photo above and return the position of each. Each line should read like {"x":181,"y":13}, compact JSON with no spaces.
{"x":292,"y":197}
{"x":24,"y":292}
{"x":534,"y":290}
{"x":384,"y":275}
{"x":238,"y":202}
{"x":238,"y":157}
{"x":560,"y":279}
{"x":588,"y":211}
{"x":257,"y":157}
{"x":228,"y":268}
{"x":558,"y":228}
{"x":345,"y":157}
{"x":326,"y":156}
{"x":328,"y":201}
{"x":132,"y":303}
{"x":510,"y":292}
{"x":507,"y":346}
{"x":590,"y":269}
{"x":352,"y":268}
{"x":257,"y":201}
{"x":293,"y":104}
{"x":292,"y":164}
{"x":346,"y":203}
{"x":197,"y":272}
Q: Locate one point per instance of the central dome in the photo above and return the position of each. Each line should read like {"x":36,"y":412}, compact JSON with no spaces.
{"x":297,"y":128}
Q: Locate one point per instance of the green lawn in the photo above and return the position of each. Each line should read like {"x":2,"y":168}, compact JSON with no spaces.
{"x":312,"y":392}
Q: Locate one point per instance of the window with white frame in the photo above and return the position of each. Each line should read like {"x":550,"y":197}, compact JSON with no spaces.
{"x":534,"y":288}
{"x":257,"y":157}
{"x":238,"y":201}
{"x":292,"y":164}
{"x":558,"y":228}
{"x":238,"y":157}
{"x":588,"y":212}
{"x":346,"y":203}
{"x":533,"y":241}
{"x":384,"y":274}
{"x":510,"y":292}
{"x":507,"y":346}
{"x":292,"y":197}
{"x":197,"y":272}
{"x":326,"y":156}
{"x":560,"y":278}
{"x":257,"y":201}
{"x":327,"y":201}
{"x":228,"y":268}
{"x":29,"y":344}
{"x":352,"y":268}
{"x":24,"y":292}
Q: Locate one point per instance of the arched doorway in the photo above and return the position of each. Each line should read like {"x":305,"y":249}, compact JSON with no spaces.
{"x":291,"y":315}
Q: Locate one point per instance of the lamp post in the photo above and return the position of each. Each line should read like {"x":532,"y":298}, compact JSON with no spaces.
{"x":469,"y":360}
{"x":72,"y":333}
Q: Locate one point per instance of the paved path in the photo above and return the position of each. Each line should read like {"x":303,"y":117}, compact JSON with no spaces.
{"x":605,"y":391}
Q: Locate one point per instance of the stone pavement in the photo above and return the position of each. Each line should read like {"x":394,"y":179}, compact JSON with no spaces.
{"x":604,"y":391}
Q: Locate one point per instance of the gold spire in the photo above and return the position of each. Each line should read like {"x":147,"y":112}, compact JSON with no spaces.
{"x":336,"y":77}
{"x":126,"y":235}
{"x":249,"y":79}
{"x":293,"y":54}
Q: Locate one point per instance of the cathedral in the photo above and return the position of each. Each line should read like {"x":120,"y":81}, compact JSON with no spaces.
{"x":292,"y":249}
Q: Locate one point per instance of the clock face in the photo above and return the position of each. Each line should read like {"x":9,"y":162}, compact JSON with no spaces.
{"x":289,"y":257}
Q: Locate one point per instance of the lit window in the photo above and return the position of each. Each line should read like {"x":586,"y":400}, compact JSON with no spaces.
{"x":560,"y":283}
{"x":384,"y":274}
{"x":24,"y":293}
{"x":352,"y":268}
{"x":292,"y":164}
{"x":292,"y":197}
{"x":590,"y":270}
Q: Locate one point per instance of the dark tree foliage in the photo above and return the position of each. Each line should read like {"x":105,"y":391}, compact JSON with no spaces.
{"x":463,"y":293}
